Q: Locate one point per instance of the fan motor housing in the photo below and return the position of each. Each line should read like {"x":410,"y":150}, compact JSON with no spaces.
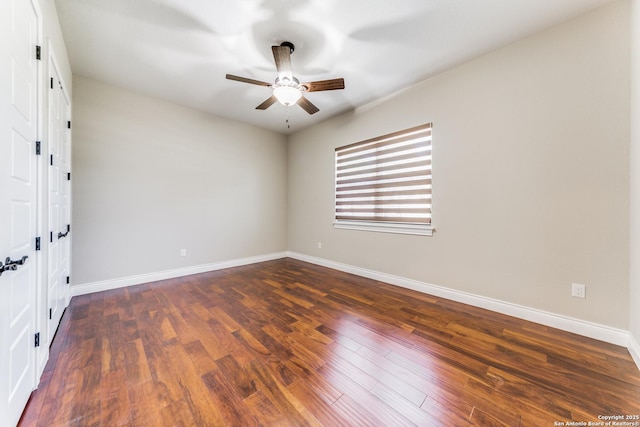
{"x":289,"y":45}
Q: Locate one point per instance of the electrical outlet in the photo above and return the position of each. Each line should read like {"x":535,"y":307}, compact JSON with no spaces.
{"x":578,"y":290}
{"x":183,"y":252}
{"x":319,"y":245}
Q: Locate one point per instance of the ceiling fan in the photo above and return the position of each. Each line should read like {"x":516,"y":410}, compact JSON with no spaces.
{"x":287,"y":89}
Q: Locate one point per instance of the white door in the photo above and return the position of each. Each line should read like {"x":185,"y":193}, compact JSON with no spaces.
{"x":59,"y":199}
{"x":19,"y":32}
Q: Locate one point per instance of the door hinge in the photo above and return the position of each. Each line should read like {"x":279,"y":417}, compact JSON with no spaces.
{"x":68,"y":280}
{"x":38,"y":52}
{"x":37,"y":243}
{"x":51,"y":159}
{"x":51,"y":82}
{"x":50,"y":314}
{"x":37,"y":340}
{"x":68,"y":124}
{"x":38,"y":148}
{"x":68,"y":228}
{"x":68,"y":176}
{"x":51,"y":237}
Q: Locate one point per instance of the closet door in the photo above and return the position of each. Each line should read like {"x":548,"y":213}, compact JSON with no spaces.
{"x":19,"y":33}
{"x":59,"y":198}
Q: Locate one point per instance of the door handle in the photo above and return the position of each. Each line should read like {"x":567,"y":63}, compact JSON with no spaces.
{"x":61,"y":235}
{"x":10,"y":265}
{"x":21,"y":261}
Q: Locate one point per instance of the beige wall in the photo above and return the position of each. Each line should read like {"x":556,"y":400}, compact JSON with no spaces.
{"x":634,"y":306}
{"x":531,"y":174}
{"x":151,"y":178}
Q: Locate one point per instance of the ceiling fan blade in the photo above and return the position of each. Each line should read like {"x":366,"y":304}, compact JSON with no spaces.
{"x":246,"y":80}
{"x":307,"y":105}
{"x":282,"y":57}
{"x":332,"y":84}
{"x":267,"y":103}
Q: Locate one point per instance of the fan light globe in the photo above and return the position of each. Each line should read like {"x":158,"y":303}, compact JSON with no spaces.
{"x":287,"y":95}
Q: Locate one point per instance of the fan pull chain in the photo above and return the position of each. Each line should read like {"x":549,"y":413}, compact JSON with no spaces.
{"x":287,"y":121}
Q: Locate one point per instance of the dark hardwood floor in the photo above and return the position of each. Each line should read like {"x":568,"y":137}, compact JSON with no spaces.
{"x":290,"y":343}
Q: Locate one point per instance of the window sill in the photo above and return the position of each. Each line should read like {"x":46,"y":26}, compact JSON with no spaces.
{"x":415,"y":229}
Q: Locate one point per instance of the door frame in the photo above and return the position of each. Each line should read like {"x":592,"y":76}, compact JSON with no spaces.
{"x":42,"y":352}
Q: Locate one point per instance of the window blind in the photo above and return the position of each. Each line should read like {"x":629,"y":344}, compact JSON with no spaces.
{"x":386,"y":179}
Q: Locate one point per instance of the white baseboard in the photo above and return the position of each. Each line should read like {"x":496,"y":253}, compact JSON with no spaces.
{"x":634,"y":349}
{"x":105,"y":285}
{"x":592,"y":330}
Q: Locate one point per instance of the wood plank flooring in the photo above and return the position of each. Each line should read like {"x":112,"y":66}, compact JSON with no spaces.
{"x":289,"y":343}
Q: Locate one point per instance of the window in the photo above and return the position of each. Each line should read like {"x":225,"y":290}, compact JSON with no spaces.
{"x":384,"y":183}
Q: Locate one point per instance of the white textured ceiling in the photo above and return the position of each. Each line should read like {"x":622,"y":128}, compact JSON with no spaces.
{"x":180,"y":50}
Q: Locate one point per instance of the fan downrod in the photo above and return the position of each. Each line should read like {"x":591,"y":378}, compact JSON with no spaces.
{"x":289,"y":45}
